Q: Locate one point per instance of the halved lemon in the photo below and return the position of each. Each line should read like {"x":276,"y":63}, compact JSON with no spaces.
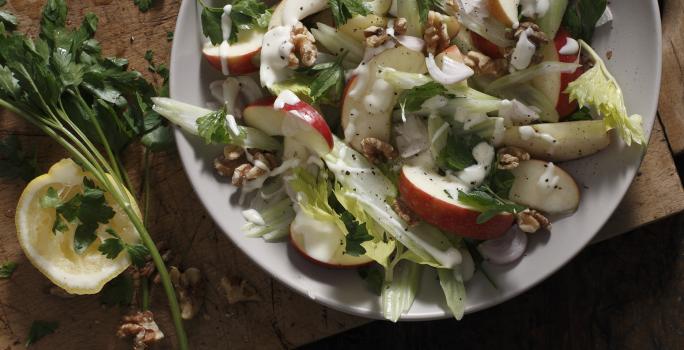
{"x":53,"y":253}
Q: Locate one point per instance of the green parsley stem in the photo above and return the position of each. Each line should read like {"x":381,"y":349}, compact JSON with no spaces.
{"x":144,"y":286}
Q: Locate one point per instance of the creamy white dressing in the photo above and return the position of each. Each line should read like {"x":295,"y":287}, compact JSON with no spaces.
{"x":350,"y":130}
{"x":475,"y":8}
{"x":534,"y":8}
{"x":474,"y":119}
{"x":275,"y":51}
{"x":571,"y":47}
{"x":232,"y":125}
{"x":548,"y":179}
{"x":524,"y":51}
{"x":320,"y":239}
{"x":379,"y":98}
{"x":361,"y":71}
{"x":527,"y":132}
{"x":516,"y":113}
{"x":224,"y":48}
{"x":475,"y":174}
{"x":253,"y":216}
{"x":286,"y":97}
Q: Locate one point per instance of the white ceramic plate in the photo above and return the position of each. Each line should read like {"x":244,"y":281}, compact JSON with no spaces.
{"x":635,"y":41}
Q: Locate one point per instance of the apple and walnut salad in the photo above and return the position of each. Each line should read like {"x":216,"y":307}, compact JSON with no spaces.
{"x":397,"y":135}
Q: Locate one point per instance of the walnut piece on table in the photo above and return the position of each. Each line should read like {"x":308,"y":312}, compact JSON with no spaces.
{"x":238,"y":290}
{"x":141,"y":326}
{"x":190,"y":290}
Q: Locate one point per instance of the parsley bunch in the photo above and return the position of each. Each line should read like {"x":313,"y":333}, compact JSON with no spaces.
{"x":245,"y":15}
{"x":93,"y":107}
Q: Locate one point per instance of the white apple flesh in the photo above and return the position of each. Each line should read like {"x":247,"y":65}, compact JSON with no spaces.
{"x":367,"y":108}
{"x":243,"y":56}
{"x":291,"y":118}
{"x":322,"y":243}
{"x":544,"y":186}
{"x":505,"y":11}
{"x":573,"y":140}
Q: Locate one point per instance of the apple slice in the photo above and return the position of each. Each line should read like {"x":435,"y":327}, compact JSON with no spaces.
{"x":289,"y":12}
{"x":505,"y":11}
{"x":559,"y":142}
{"x":369,"y":100}
{"x":545,"y":187}
{"x":554,"y":84}
{"x":289,"y":116}
{"x":435,"y":200}
{"x":243,"y":56}
{"x":357,"y":24}
{"x":322,"y":243}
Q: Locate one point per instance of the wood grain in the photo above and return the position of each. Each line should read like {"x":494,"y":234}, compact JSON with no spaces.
{"x":671,"y":104}
{"x":282,"y":319}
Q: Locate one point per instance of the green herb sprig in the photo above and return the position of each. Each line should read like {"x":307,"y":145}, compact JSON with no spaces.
{"x":328,"y":80}
{"x":39,"y":329}
{"x":143,"y":5}
{"x":411,"y":100}
{"x":7,"y":269}
{"x":14,"y":162}
{"x":488,"y":203}
{"x":343,"y":10}
{"x":581,"y":17}
{"x":90,"y":105}
{"x":244,"y":15}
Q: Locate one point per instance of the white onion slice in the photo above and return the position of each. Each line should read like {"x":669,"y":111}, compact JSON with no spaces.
{"x":506,"y":249}
{"x":411,"y":42}
{"x":411,"y":137}
{"x":452,"y":71}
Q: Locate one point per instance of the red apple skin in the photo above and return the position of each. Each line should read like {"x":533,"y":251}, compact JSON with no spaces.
{"x":313,"y":118}
{"x":321,"y":263}
{"x":564,"y":106}
{"x":237,"y":65}
{"x":485,"y":46}
{"x":266,"y":101}
{"x":449,"y":217}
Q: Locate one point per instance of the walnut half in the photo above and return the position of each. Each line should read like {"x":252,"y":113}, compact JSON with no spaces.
{"x":377,"y":151}
{"x":510,"y":157}
{"x":305,"y":52}
{"x":436,"y":34}
{"x":141,"y":326}
{"x":531,"y":221}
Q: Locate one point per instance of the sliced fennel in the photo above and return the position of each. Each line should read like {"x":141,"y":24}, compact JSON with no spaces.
{"x":276,"y":217}
{"x":185,"y":116}
{"x":486,"y":27}
{"x":598,"y":89}
{"x":338,"y":42}
{"x":531,"y":96}
{"x":525,"y":75}
{"x":454,"y":291}
{"x":399,"y":293}
{"x":403,"y":80}
{"x":374,"y":192}
{"x":312,"y":193}
{"x":438,"y":132}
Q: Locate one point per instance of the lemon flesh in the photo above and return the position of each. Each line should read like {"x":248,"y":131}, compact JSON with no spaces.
{"x":53,"y":254}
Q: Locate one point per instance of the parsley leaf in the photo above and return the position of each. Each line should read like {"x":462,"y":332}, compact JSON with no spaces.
{"x":342,"y":10}
{"x":118,"y":292}
{"x":112,"y":247}
{"x":244,"y":15}
{"x":7,"y":269}
{"x":583,"y":113}
{"x":40,"y":329}
{"x":411,"y":100}
{"x":89,"y":209}
{"x":14,"y":163}
{"x":581,"y":17}
{"x":356,"y":233}
{"x":458,"y":152}
{"x":329,"y":78}
{"x":501,"y":181}
{"x":484,"y":200}
{"x":3,"y":2}
{"x":143,"y":5}
{"x":213,"y":128}
{"x":373,"y":277}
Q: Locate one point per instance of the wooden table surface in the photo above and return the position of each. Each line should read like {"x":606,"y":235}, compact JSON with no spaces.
{"x":283,"y":319}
